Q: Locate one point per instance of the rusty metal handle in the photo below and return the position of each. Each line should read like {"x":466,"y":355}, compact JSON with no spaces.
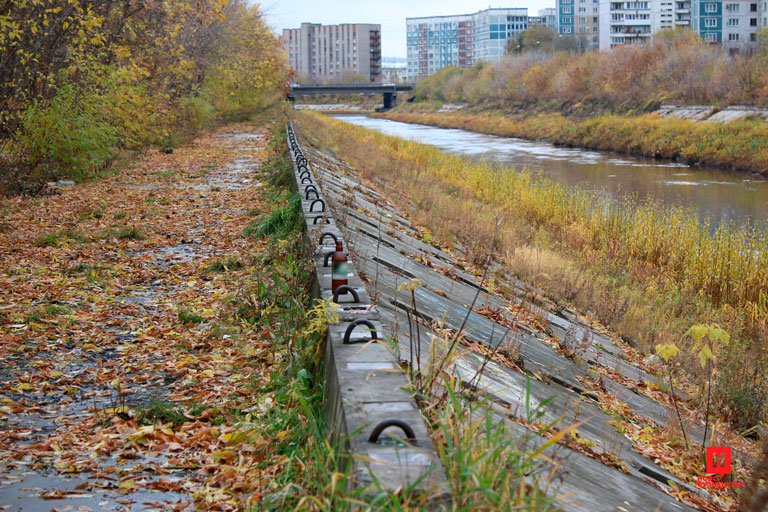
{"x":313,"y":203}
{"x":345,"y":288}
{"x":325,"y":234}
{"x":410,"y":435}
{"x":308,"y":189}
{"x":327,"y":257}
{"x":359,"y":321}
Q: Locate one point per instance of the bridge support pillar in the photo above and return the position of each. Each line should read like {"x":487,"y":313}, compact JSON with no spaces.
{"x":390,"y":100}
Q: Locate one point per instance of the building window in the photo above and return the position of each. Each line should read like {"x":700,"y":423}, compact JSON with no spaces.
{"x":752,"y":7}
{"x":582,"y":19}
{"x":710,"y":22}
{"x":732,"y":7}
{"x":710,"y":7}
{"x":567,"y":10}
{"x":710,"y":38}
{"x":733,"y":22}
{"x":566,"y":20}
{"x":733,"y":37}
{"x":753,"y":37}
{"x":566,"y":30}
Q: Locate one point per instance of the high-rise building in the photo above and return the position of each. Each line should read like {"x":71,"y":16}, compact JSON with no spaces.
{"x":549,"y":18}
{"x":334,"y":53}
{"x":462,"y":40}
{"x":579,"y":19}
{"x":734,"y":24}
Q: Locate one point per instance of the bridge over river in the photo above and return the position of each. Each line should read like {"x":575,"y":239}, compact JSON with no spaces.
{"x":388,"y":91}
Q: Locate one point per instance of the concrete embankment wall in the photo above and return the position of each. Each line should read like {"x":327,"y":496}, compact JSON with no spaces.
{"x":365,"y":387}
{"x":713,"y":114}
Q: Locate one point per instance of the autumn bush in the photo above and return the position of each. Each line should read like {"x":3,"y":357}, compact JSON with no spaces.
{"x":82,"y":80}
{"x":677,"y":68}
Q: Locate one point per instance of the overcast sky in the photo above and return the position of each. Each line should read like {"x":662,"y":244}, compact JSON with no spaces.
{"x":390,"y":14}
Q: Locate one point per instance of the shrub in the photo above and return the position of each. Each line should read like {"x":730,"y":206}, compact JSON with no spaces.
{"x":69,"y":135}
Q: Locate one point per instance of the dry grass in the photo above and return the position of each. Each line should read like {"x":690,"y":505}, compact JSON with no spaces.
{"x":649,"y":272}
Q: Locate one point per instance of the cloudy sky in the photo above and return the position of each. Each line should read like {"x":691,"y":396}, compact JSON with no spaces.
{"x":390,"y":14}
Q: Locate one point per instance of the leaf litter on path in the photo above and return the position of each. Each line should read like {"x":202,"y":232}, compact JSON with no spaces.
{"x":124,"y":383}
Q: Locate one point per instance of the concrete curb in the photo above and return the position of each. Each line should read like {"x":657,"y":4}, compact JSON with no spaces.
{"x":364,"y":384}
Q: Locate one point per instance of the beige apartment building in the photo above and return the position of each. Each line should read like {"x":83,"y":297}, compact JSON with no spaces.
{"x":334,"y":53}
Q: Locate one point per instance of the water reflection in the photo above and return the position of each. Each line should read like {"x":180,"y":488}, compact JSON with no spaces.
{"x":719,"y":195}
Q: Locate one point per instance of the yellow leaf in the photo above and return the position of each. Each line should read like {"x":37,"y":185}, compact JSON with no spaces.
{"x":224,"y":454}
{"x":230,"y":437}
{"x":667,"y":351}
{"x":705,"y":354}
{"x":127,"y":484}
{"x":118,"y":410}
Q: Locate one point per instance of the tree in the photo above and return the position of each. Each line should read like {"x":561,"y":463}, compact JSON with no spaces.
{"x":538,"y":38}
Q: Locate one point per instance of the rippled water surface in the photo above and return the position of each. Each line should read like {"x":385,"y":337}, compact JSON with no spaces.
{"x":714,"y":193}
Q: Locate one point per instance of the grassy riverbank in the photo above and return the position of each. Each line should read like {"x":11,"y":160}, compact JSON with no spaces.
{"x":648,"y":272}
{"x":740,"y":145}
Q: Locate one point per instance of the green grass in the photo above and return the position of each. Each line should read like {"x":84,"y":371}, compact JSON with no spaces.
{"x":187,"y":316}
{"x":160,"y":411}
{"x":56,"y":309}
{"x":129,"y":233}
{"x":59,"y":237}
{"x":231,"y":263}
{"x":280,"y":221}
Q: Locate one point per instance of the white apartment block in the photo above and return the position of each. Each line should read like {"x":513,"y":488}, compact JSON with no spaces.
{"x":734,"y":24}
{"x":329,"y":52}
{"x":463,"y":40}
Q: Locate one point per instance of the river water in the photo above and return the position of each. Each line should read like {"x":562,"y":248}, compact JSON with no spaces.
{"x":721,"y":196}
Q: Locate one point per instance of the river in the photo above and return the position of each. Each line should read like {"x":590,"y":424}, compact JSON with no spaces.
{"x":721,"y":196}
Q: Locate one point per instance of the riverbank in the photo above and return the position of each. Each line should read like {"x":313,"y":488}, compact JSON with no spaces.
{"x":741,"y":145}
{"x":648,"y":272}
{"x":338,"y":108}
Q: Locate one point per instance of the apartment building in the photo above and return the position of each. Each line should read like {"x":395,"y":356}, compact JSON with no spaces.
{"x":546,"y":17}
{"x":462,"y":40}
{"x":734,"y":24}
{"x":579,"y":19}
{"x":320,"y":53}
